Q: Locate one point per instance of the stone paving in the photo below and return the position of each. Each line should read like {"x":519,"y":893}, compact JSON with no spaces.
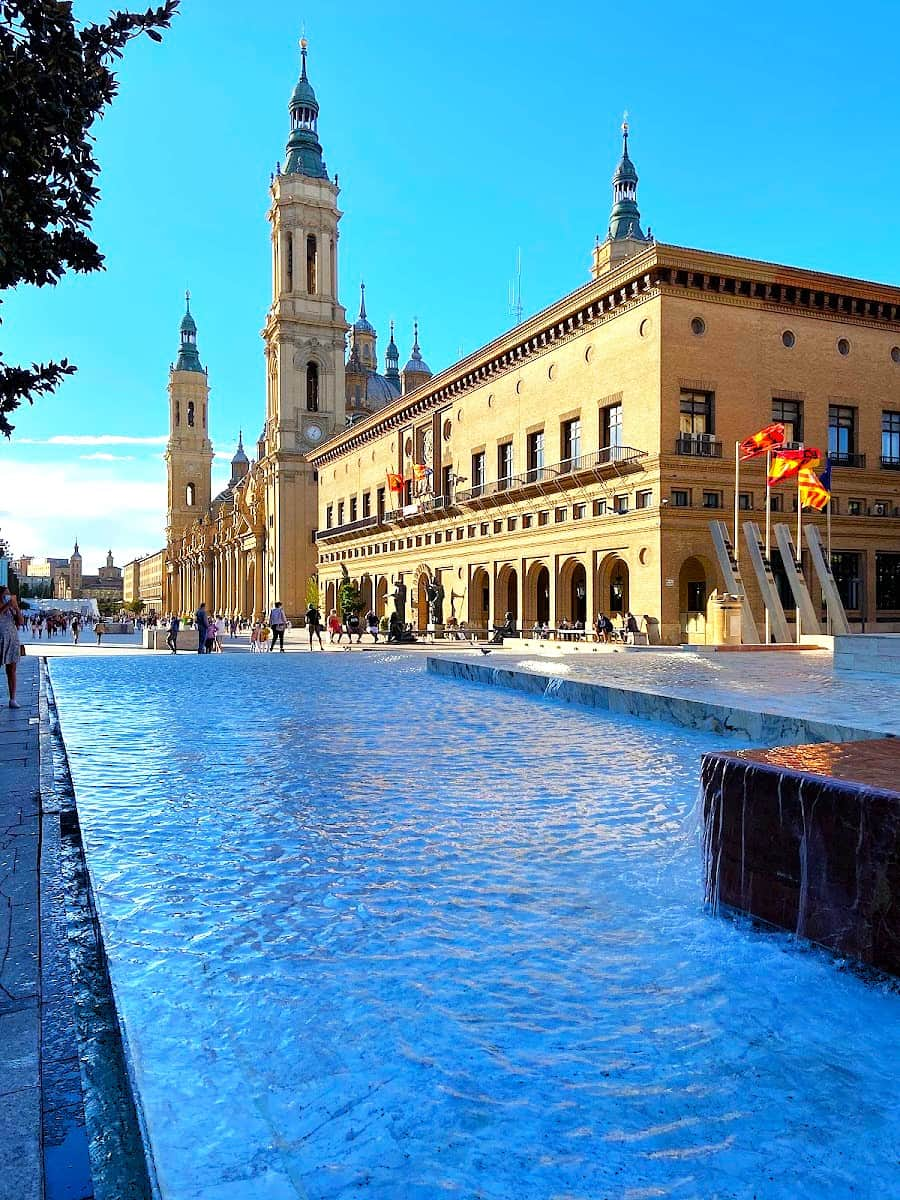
{"x":21,"y":1174}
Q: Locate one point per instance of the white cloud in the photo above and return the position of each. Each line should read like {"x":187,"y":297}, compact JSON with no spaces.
{"x":93,"y":439}
{"x":101,"y":457}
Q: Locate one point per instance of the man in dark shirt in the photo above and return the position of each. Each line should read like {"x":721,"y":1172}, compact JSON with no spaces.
{"x":202,"y":626}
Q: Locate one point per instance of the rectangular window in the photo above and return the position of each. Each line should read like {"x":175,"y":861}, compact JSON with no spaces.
{"x":504,"y":463}
{"x":842,"y":434}
{"x":611,"y":426}
{"x":846,"y":568}
{"x":571,"y":442}
{"x":527,"y":521}
{"x":367,"y":504}
{"x":681,"y":498}
{"x":478,"y":473}
{"x":643,"y":498}
{"x":535,"y":453}
{"x":890,"y":439}
{"x":485,"y":529}
{"x":578,"y":511}
{"x":887,"y":580}
{"x":712,"y":499}
{"x":340,"y":520}
{"x":745,"y":501}
{"x":560,"y":515}
{"x":407,"y":492}
{"x":511,"y":524}
{"x":790,"y":414}
{"x":697,"y":417}
{"x":329,"y":516}
{"x":381,"y":492}
{"x":353,"y":508}
{"x":544,"y":517}
{"x":856,"y":508}
{"x":620,"y":504}
{"x":447,"y":482}
{"x":600,"y":507}
{"x":777,"y":502}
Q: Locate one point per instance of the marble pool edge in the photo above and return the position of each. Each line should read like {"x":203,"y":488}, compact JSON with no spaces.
{"x":767,"y":728}
{"x":60,"y":779}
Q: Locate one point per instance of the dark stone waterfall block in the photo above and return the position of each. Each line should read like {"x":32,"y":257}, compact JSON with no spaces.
{"x":808,"y":838}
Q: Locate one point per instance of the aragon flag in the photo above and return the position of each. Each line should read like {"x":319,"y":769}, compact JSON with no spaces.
{"x":785,"y":464}
{"x":759,"y":443}
{"x":420,"y":471}
{"x":812,"y":492}
{"x":395,"y":482}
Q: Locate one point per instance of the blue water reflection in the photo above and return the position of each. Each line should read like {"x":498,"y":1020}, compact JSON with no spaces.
{"x":377,"y":933}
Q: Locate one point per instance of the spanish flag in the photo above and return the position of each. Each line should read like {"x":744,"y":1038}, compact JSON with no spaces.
{"x":813,"y":494}
{"x":395,"y":482}
{"x":420,"y":471}
{"x":786,"y":464}
{"x":759,"y":443}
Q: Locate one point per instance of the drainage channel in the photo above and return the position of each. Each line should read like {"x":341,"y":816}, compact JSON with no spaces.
{"x":93,"y":1148}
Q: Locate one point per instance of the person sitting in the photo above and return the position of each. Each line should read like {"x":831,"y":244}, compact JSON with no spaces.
{"x":506,"y":630}
{"x":536,"y":629}
{"x":353,"y":627}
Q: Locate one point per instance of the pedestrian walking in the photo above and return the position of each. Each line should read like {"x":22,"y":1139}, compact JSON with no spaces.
{"x":314,"y":625}
{"x":10,"y":646}
{"x":335,"y":629}
{"x":99,"y":630}
{"x":172,"y":639}
{"x":76,"y":630}
{"x":278,"y":624}
{"x":202,"y":622}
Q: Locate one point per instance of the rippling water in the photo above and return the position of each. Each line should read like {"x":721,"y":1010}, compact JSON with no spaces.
{"x":377,"y":933}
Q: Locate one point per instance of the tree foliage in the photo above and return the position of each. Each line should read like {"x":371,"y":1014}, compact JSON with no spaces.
{"x":55,"y":81}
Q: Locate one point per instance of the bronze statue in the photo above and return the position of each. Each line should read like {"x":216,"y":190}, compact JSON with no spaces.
{"x":399,"y":595}
{"x":435,"y":593}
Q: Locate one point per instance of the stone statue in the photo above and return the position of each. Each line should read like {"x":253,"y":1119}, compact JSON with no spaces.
{"x":435,"y":593}
{"x":399,"y":595}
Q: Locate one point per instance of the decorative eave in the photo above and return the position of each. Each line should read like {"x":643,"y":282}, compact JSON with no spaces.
{"x":660,"y":269}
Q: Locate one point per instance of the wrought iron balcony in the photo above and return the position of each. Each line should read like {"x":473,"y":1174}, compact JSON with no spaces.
{"x":890,"y":462}
{"x":610,"y":460}
{"x":845,"y":459}
{"x":698,"y":445}
{"x":338,"y":531}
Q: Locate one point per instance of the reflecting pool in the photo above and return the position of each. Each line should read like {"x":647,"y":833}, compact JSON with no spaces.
{"x":377,"y":933}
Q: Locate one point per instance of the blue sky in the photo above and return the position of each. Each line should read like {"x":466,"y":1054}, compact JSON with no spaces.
{"x":460,"y":133}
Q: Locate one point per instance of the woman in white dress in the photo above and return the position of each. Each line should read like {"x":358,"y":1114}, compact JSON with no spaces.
{"x":10,"y":619}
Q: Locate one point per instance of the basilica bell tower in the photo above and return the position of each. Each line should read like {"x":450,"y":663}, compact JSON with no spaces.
{"x":304,"y":338}
{"x":189,"y":452}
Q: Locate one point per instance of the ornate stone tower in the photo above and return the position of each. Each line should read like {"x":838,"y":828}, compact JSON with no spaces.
{"x":417,"y":371}
{"x":304,"y":335}
{"x":624,"y":236}
{"x":189,"y":452}
{"x":75,"y":574}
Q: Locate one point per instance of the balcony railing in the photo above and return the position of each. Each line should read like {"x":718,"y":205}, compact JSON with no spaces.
{"x":416,"y":508}
{"x":890,"y":462}
{"x":611,"y":456}
{"x":845,"y":459}
{"x":336,"y":531}
{"x":698,"y":445}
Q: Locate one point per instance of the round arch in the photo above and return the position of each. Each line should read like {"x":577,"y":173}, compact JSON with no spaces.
{"x":479,"y":599}
{"x":537,"y":595}
{"x":614,"y":586}
{"x":696,"y":581}
{"x":419,"y":597}
{"x":365,"y":592}
{"x":571,"y":592}
{"x":506,"y":594}
{"x":381,"y":592}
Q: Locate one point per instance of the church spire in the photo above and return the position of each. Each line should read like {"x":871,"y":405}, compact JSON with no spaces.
{"x":188,"y":358}
{"x":392,"y":360}
{"x":625,"y":219}
{"x":304,"y":153}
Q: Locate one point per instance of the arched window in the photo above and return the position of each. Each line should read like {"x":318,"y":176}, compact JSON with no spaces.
{"x":311,"y":265}
{"x":191,"y":413}
{"x":312,"y":387}
{"x":177,"y":412}
{"x":289,"y":261}
{"x":190,"y":495}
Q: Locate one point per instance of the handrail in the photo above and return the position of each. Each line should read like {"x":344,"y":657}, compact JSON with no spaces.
{"x":609,"y":456}
{"x":323,"y":535}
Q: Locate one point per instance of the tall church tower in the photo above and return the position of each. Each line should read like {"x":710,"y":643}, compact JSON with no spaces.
{"x":75,"y":574}
{"x":189,"y":451}
{"x":304,"y":347}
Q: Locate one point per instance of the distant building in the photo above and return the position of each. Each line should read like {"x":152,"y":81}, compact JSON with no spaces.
{"x":143,"y":580}
{"x":72,"y":584}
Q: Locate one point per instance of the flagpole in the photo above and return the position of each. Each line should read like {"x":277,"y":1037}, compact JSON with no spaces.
{"x":828,"y":550}
{"x":799,"y":549}
{"x":768,"y":529}
{"x":737,"y":485}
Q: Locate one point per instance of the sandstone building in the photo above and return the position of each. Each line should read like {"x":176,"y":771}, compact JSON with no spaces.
{"x":569,"y":467}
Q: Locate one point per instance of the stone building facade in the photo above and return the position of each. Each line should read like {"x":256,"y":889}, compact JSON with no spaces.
{"x":143,"y":580}
{"x":573,"y":465}
{"x":72,"y":584}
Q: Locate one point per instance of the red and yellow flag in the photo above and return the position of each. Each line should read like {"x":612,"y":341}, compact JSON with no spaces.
{"x":759,"y":443}
{"x":813,"y":493}
{"x":786,"y":464}
{"x":420,"y":471}
{"x":395,"y":482}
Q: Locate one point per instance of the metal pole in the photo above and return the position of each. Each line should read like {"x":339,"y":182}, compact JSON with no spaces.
{"x":737,"y":484}
{"x":799,"y":549}
{"x":768,"y":531}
